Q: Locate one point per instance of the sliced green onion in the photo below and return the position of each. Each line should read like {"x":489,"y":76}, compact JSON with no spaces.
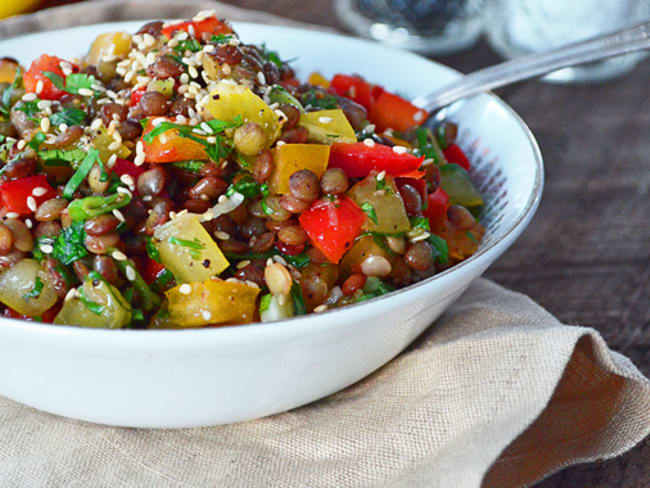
{"x":149,"y":299}
{"x":86,"y":208}
{"x":81,"y":173}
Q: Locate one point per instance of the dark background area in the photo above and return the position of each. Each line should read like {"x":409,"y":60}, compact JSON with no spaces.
{"x":586,"y":255}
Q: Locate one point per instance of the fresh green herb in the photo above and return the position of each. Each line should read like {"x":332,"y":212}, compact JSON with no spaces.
{"x":271,"y":56}
{"x":369,"y":211}
{"x":150,"y":299}
{"x":89,"y":207}
{"x":137,"y":315}
{"x":81,"y":173}
{"x":178,"y":59}
{"x":163,"y":278}
{"x":221,"y":38}
{"x":144,"y":122}
{"x":62,"y":155}
{"x":36,"y":141}
{"x":265,"y":302}
{"x":427,"y":146}
{"x":441,"y":136}
{"x":421,"y":223}
{"x":439,"y":248}
{"x":68,"y":116}
{"x":69,"y":245}
{"x":72,"y":83}
{"x":36,"y":291}
{"x":190,"y":44}
{"x":30,"y":108}
{"x":298,"y":300}
{"x":471,"y":237}
{"x":298,"y":261}
{"x":247,"y":186}
{"x":5,"y":102}
{"x":152,"y":251}
{"x":374,"y":287}
{"x":128,"y":294}
{"x":265,"y":208}
{"x":279,"y":94}
{"x":319,"y":99}
{"x":381,"y":184}
{"x":191,"y":166}
{"x":94,"y":307}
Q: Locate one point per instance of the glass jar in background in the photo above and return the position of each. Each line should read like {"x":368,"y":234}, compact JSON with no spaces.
{"x":518,"y":27}
{"x":426,"y":26}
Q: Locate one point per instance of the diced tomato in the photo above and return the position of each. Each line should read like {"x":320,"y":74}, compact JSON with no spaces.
{"x":419,"y":184}
{"x":437,"y":206}
{"x":355,"y":88}
{"x":210,"y":26}
{"x":14,"y":194}
{"x":35,"y":74}
{"x":332,"y":226}
{"x":136,"y":95}
{"x":288,"y":249}
{"x":395,"y":112}
{"x":175,"y":148}
{"x":358,"y":159}
{"x":454,"y":154}
{"x":151,"y":270}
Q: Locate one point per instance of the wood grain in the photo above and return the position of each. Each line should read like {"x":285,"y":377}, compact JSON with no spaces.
{"x":586,"y":255}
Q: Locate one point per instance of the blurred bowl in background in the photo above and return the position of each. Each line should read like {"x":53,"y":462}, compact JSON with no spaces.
{"x":9,"y":8}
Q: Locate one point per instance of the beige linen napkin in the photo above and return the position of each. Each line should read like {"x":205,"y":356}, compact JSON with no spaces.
{"x":496,"y":393}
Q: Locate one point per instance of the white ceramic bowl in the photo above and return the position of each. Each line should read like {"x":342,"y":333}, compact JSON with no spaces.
{"x":144,"y":378}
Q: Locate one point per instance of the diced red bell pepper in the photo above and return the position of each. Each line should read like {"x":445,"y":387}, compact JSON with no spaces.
{"x":126,"y":167}
{"x":174,"y":148}
{"x":454,"y":154}
{"x":355,"y":88}
{"x":332,"y":226}
{"x":14,"y":194}
{"x":419,"y":184}
{"x":151,"y":270}
{"x":136,"y":95}
{"x":35,"y":74}
{"x":358,"y":159}
{"x":437,"y":206}
{"x":395,"y":112}
{"x":210,"y":26}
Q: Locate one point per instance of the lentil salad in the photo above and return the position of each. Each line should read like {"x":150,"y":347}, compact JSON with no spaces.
{"x":181,"y":178}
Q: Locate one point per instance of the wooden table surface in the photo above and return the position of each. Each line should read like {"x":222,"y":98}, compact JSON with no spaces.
{"x":585,"y":256}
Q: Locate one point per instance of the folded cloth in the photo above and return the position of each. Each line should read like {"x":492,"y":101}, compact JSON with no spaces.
{"x":495,"y":393}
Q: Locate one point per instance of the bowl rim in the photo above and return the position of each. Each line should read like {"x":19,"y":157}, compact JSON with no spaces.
{"x":280,"y":326}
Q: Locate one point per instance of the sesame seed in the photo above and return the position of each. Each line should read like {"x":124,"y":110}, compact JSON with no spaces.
{"x":191,"y":31}
{"x":114,"y":146}
{"x":29,"y":223}
{"x":111,"y":161}
{"x":181,"y":119}
{"x":226,"y":69}
{"x":320,"y":308}
{"x":325,"y":120}
{"x":118,"y":215}
{"x":147,"y":198}
{"x":43,"y":104}
{"x":388,"y":132}
{"x":399,"y":149}
{"x":243,"y":264}
{"x":185,"y":289}
{"x":45,"y":124}
{"x":418,"y":116}
{"x":427,"y":162}
{"x":96,"y":124}
{"x":221,"y":235}
{"x":86,"y":92}
{"x":206,"y":127}
{"x":149,"y":40}
{"x":39,"y":86}
{"x":63,"y":127}
{"x":369,"y":142}
{"x":21,"y":144}
{"x":222,"y":198}
{"x":47,"y":248}
{"x":119,"y":255}
{"x":139,"y":160}
{"x":121,"y":189}
{"x":162,"y":138}
{"x":126,"y":179}
{"x":261,"y":78}
{"x":72,"y":293}
{"x":420,"y":237}
{"x":130,"y":273}
{"x":193,"y":72}
{"x":12,"y":215}
{"x":39,"y":191}
{"x":206,"y":315}
{"x":269,"y":261}
{"x":157,"y":121}
{"x":381,"y":175}
{"x":280,"y":143}
{"x":129,"y":76}
{"x":31,"y":203}
{"x":29,"y":97}
{"x":117,"y":137}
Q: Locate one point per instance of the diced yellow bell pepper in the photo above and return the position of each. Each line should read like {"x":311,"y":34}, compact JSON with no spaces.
{"x":228,"y":100}
{"x":289,"y":158}
{"x":101,"y":142}
{"x":317,"y":79}
{"x":388,"y":206}
{"x":99,"y":305}
{"x":328,"y":126}
{"x":187,"y":249}
{"x":18,"y":288}
{"x":116,"y":44}
{"x":211,"y":302}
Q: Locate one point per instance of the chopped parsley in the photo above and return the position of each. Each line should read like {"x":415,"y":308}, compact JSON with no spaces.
{"x":190,"y":44}
{"x":68,"y":116}
{"x":69,"y":245}
{"x":319,"y":99}
{"x":298,"y":300}
{"x":369,"y":210}
{"x":72,"y":83}
{"x":221,"y":38}
{"x":381,"y":184}
{"x":421,"y":223}
{"x":36,"y":291}
{"x":36,"y":141}
{"x":5,"y":101}
{"x":30,"y":108}
{"x":298,"y":261}
{"x":248,"y":187}
{"x":439,"y":249}
{"x":427,"y":146}
{"x":374,"y":287}
{"x":271,"y":56}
